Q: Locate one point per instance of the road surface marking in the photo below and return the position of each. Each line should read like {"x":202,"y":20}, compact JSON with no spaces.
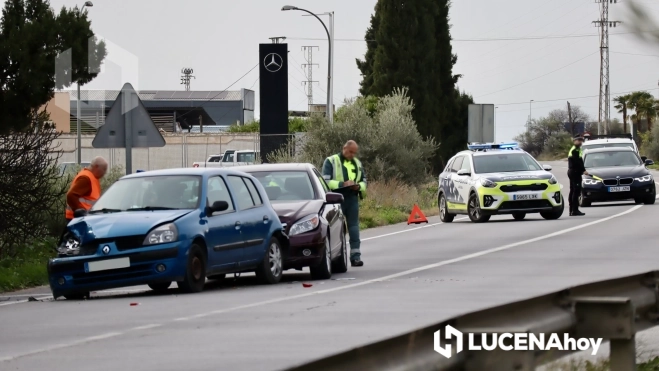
{"x":320,"y":292}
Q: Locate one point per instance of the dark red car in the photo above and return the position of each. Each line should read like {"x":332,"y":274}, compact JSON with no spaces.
{"x":311,"y":215}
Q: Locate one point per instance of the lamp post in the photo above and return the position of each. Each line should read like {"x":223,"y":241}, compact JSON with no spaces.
{"x":528,"y":125}
{"x":331,"y":89}
{"x":79,"y":149}
{"x":329,"y":58}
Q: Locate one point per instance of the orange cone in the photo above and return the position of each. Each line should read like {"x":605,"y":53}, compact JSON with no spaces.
{"x":416,"y":216}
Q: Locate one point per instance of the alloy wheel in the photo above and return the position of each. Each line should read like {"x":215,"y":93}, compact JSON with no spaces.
{"x":274,"y":256}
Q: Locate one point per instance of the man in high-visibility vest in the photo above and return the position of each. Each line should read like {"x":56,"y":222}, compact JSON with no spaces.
{"x":85,"y":188}
{"x":575,"y":171}
{"x":346,"y":176}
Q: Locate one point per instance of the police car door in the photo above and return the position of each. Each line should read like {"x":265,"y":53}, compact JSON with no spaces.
{"x":461,"y":181}
{"x":454,"y":185}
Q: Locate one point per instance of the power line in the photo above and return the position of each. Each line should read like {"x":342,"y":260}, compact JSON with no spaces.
{"x":568,"y":98}
{"x":640,"y":55}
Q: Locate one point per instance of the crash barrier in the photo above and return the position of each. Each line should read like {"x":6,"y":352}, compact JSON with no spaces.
{"x":612,"y":310}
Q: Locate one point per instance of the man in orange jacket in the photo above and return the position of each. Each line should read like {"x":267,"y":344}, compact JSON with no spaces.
{"x":85,"y":188}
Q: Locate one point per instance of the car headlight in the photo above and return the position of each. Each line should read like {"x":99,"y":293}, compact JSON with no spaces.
{"x":553,"y":180}
{"x":488,"y":183}
{"x":306,"y":224}
{"x":163,"y":234}
{"x":647,"y":178}
{"x":591,"y":181}
{"x":70,"y":247}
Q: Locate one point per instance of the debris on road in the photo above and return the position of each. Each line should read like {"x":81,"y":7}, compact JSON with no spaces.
{"x":307,"y":285}
{"x":134,"y":304}
{"x":32,"y":298}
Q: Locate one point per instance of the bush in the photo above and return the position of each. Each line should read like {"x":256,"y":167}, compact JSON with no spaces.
{"x":391,"y":202}
{"x":650,"y":144}
{"x":391,"y":147}
{"x":27,"y":267}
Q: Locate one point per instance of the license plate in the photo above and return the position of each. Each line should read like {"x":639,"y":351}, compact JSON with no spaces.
{"x":526,"y":197}
{"x":619,"y":189}
{"x":104,"y":265}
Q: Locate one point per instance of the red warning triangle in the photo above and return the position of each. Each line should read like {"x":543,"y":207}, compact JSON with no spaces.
{"x":416,"y":216}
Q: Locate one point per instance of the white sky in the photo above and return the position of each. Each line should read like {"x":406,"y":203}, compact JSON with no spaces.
{"x":219,"y":39}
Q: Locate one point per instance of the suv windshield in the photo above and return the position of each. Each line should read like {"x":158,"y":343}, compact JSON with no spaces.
{"x":504,"y":163}
{"x":151,"y":193}
{"x":613,"y":158}
{"x":286,"y":185}
{"x":608,"y":145}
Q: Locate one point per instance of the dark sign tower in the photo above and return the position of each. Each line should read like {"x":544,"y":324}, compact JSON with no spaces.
{"x":273,"y":77}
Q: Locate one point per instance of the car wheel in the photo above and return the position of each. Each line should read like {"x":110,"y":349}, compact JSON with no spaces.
{"x":519,"y":216}
{"x":160,"y":286}
{"x":340,"y":265}
{"x":78,"y":296}
{"x":474,"y":210}
{"x":217,"y":277}
{"x":270,"y":269}
{"x":323,"y":270}
{"x":583,"y":201}
{"x":556,"y":213}
{"x":444,"y":215}
{"x":195,"y":273}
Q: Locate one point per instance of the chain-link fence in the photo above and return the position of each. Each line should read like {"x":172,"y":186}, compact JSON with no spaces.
{"x":181,"y":150}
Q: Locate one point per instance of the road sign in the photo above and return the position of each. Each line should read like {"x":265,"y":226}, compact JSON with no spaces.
{"x":128,"y":125}
{"x":481,"y":123}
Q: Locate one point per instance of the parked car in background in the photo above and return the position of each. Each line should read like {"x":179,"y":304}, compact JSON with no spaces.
{"x":311,"y":215}
{"x":609,"y":141}
{"x":70,"y":168}
{"x":164,"y":226}
{"x":232,"y":158}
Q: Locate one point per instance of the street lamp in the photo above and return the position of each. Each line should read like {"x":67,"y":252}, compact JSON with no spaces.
{"x":329,"y":56}
{"x":528,"y":125}
{"x":79,"y":149}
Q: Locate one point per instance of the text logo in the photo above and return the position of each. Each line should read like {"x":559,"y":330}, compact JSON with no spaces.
{"x":451,"y":332}
{"x":106,"y":249}
{"x":273,"y":62}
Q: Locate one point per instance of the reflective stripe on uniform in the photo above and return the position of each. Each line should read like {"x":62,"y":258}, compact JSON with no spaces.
{"x":89,"y":201}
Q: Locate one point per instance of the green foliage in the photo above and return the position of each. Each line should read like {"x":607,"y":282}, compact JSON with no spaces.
{"x":390,"y":144}
{"x":32,"y":38}
{"x":650,"y":144}
{"x":27,"y":267}
{"x":295,"y":125}
{"x":411,"y":47}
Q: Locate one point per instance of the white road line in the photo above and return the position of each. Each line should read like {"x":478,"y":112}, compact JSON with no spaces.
{"x":320,"y":292}
{"x":407,"y":230}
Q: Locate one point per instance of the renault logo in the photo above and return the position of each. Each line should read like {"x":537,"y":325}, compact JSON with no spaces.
{"x":106,"y":249}
{"x":273,"y":62}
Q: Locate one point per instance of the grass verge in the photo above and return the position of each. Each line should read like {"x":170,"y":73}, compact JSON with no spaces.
{"x":654,"y":167}
{"x":27,"y":267}
{"x":392,"y":202}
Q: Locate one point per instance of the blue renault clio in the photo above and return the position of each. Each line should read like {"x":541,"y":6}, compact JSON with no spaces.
{"x":177,"y":225}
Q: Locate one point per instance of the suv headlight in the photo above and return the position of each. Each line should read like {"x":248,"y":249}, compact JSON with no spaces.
{"x":163,"y":234}
{"x":70,"y":247}
{"x":553,"y":180}
{"x":590,"y":181}
{"x":306,"y":224}
{"x":488,"y":183}
{"x":647,"y":178}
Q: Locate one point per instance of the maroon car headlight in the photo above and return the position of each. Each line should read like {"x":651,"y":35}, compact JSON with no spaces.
{"x":306,"y":224}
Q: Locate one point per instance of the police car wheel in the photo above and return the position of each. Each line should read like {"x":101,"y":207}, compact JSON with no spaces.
{"x":474,"y":210}
{"x":556,"y":213}
{"x":519,"y":216}
{"x":444,"y":215}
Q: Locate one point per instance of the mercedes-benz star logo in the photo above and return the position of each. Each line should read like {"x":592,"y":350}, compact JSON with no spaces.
{"x":273,"y":62}
{"x":106,"y":249}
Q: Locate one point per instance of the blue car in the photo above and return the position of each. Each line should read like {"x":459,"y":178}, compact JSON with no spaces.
{"x":179,"y":225}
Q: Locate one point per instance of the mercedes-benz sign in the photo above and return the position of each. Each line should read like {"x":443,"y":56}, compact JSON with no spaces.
{"x":273,"y":62}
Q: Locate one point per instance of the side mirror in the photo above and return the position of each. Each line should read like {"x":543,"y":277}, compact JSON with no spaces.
{"x":79,"y":213}
{"x":547,"y":167}
{"x":218,"y":206}
{"x":463,"y":172}
{"x":333,"y":198}
{"x":648,"y":162}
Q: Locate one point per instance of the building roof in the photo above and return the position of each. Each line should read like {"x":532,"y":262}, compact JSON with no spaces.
{"x":166,"y":95}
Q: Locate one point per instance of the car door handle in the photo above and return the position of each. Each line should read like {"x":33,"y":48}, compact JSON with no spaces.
{"x":266,"y":219}
{"x":238,"y":224}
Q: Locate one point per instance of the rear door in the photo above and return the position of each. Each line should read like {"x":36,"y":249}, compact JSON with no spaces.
{"x":224,"y":237}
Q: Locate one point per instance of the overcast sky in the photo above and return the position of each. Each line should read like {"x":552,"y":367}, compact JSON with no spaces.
{"x":219,"y":39}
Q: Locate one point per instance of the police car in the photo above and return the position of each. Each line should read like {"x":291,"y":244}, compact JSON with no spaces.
{"x":491,"y":179}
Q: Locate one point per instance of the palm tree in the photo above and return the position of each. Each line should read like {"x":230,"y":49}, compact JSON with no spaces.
{"x":642,"y":103}
{"x":622,"y":105}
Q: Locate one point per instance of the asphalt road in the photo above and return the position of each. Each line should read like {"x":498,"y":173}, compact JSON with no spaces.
{"x":413,"y":276}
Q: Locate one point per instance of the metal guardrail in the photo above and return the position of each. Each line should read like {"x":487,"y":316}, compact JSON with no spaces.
{"x":613,"y":310}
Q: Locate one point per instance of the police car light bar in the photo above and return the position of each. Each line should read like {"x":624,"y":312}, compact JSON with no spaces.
{"x":486,"y":146}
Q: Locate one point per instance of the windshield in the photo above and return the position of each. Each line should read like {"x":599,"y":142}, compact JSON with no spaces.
{"x":617,"y":158}
{"x":151,"y":192}
{"x":505,"y":163}
{"x":286,"y":185}
{"x":609,"y":145}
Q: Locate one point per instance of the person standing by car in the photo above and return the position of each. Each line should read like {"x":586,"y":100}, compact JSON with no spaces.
{"x":86,"y":187}
{"x":346,"y":176}
{"x":575,"y":170}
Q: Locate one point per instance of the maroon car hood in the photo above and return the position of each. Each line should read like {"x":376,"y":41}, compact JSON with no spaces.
{"x":290,"y":211}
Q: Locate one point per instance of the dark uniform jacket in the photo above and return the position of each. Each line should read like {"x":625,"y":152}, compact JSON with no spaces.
{"x":575,"y":164}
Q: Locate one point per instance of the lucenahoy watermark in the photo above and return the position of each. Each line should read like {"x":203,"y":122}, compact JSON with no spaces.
{"x":513,"y":341}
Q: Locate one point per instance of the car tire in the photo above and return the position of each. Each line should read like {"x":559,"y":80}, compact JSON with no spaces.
{"x":340,"y":265}
{"x":270,"y":270}
{"x":556,"y":213}
{"x":195,"y":272}
{"x":160,"y":286}
{"x":323,"y":270}
{"x":444,"y":215}
{"x":217,"y":277}
{"x":583,"y":202}
{"x":519,"y":216}
{"x":650,"y":200}
{"x":474,"y":210}
{"x":78,"y":296}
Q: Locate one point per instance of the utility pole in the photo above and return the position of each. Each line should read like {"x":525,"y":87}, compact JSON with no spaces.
{"x":186,"y":76}
{"x":201,"y":124}
{"x":604,"y":104}
{"x":309,"y":67}
{"x":569,"y":113}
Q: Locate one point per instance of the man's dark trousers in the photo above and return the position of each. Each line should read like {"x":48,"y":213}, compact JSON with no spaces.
{"x":350,"y":207}
{"x":575,"y":192}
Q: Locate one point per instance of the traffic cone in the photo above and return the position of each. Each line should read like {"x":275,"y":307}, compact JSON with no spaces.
{"x":416,"y":216}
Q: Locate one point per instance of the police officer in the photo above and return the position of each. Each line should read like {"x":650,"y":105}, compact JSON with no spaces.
{"x":576,"y":169}
{"x":346,"y":175}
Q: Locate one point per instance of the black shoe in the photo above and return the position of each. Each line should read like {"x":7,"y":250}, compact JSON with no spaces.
{"x":577,"y":213}
{"x":357,"y":263}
